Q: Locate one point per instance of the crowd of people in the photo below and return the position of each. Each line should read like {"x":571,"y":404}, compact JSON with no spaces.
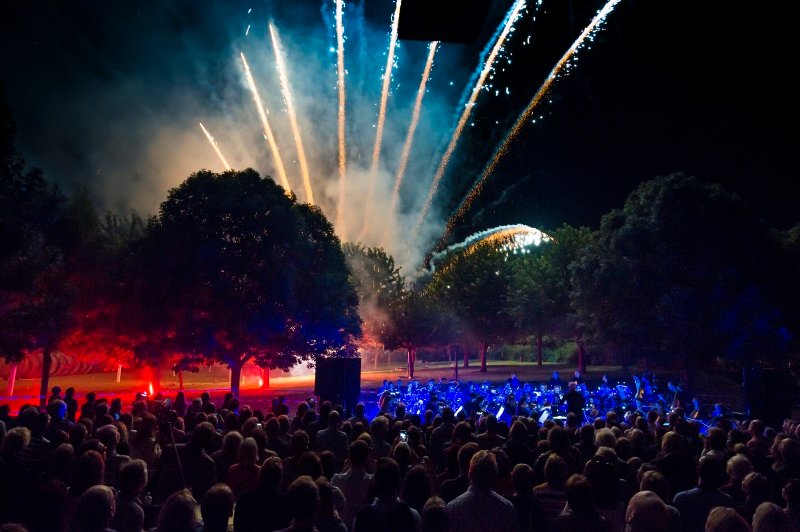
{"x":180,"y":465}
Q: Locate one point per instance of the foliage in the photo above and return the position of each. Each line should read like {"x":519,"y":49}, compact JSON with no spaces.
{"x":379,"y":285}
{"x":685,"y":272}
{"x":236,"y":270}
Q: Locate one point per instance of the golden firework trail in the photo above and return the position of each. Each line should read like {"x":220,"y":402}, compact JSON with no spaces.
{"x":526,"y":115}
{"x":215,"y":146}
{"x":342,"y":100}
{"x":516,"y":9}
{"x":401,"y":171}
{"x":262,"y":114}
{"x":376,"y":150}
{"x":280,"y":64}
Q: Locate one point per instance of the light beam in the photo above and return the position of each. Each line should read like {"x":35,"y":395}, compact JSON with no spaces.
{"x":516,"y":9}
{"x":262,"y":114}
{"x":280,"y":63}
{"x":526,"y":115}
{"x":215,"y":146}
{"x":376,"y":150}
{"x":401,"y":170}
{"x":341,"y":115}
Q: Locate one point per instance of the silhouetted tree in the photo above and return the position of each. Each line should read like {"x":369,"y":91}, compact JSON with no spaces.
{"x":238,"y":271}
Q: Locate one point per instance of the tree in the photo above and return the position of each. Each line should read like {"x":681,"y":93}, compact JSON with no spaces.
{"x":379,"y":285}
{"x":539,"y":292}
{"x":35,"y":290}
{"x":686,"y":273}
{"x":238,"y":271}
{"x":473,"y":285}
{"x":416,"y":320}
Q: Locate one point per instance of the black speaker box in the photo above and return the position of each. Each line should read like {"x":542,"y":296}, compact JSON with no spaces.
{"x":338,"y":380}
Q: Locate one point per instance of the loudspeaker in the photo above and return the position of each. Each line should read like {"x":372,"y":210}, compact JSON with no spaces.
{"x":768,"y":394}
{"x":338,"y":380}
{"x":457,"y":21}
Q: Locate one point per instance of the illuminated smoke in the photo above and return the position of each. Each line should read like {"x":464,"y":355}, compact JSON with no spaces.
{"x":560,"y":69}
{"x":401,"y":171}
{"x":462,"y":121}
{"x":262,"y":114}
{"x":376,"y":150}
{"x":215,"y":146}
{"x":280,"y":64}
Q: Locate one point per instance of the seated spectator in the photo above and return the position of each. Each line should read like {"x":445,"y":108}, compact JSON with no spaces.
{"x":454,"y":487}
{"x":646,"y":513}
{"x":129,"y":516}
{"x":228,"y":455}
{"x":757,"y":489}
{"x":304,"y":504}
{"x":434,"y":516}
{"x":656,"y":482}
{"x":328,"y":519}
{"x":178,"y":513}
{"x":354,"y":482}
{"x":265,"y":507}
{"x":481,"y":508}
{"x":737,"y":468}
{"x":725,"y":520}
{"x":769,"y":517}
{"x":217,"y":508}
{"x":242,"y":475}
{"x":791,"y":494}
{"x":417,"y":488}
{"x":695,"y":504}
{"x":386,"y":512}
{"x":94,"y":510}
{"x":529,"y":510}
{"x":551,"y":494}
{"x":109,"y":436}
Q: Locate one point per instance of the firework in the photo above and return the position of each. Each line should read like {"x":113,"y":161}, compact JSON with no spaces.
{"x":280,"y":64}
{"x":516,"y":9}
{"x":215,"y":146}
{"x":265,"y":124}
{"x":412,"y":128}
{"x":376,"y":150}
{"x":526,"y":115}
{"x":341,"y":115}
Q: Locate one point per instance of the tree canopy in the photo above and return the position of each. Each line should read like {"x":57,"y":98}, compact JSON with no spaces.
{"x":685,"y":273}
{"x":236,"y":270}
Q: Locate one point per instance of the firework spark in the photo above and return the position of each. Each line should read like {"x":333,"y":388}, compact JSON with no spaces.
{"x":215,"y":146}
{"x":342,"y":100}
{"x":262,"y":114}
{"x":511,"y":18}
{"x":555,"y":74}
{"x":401,"y":171}
{"x":376,"y":150}
{"x":280,"y":64}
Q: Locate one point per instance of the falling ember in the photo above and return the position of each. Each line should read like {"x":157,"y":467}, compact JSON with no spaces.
{"x":376,"y":150}
{"x":526,"y":115}
{"x":412,"y":128}
{"x":280,"y":63}
{"x":462,"y":121}
{"x":342,"y":94}
{"x":215,"y":146}
{"x":276,"y":154}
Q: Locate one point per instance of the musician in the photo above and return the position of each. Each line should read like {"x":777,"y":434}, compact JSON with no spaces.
{"x":577,"y":377}
{"x":555,"y":380}
{"x":697,"y":412}
{"x":513,"y":381}
{"x":413,"y":385}
{"x":574,"y":399}
{"x":681,"y":398}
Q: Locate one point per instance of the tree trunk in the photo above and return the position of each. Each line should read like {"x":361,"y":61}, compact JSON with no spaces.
{"x":264,"y":378}
{"x":47,"y":363}
{"x":449,"y":353}
{"x":119,"y":373}
{"x":581,"y":357}
{"x":466,"y":355}
{"x":155,"y":379}
{"x":180,"y":379}
{"x":412,"y":356}
{"x":484,"y":349}
{"x":12,"y":378}
{"x":236,"y":376}
{"x":539,"y":349}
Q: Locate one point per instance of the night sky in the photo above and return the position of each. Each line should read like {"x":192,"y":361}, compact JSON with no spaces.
{"x":108,"y":94}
